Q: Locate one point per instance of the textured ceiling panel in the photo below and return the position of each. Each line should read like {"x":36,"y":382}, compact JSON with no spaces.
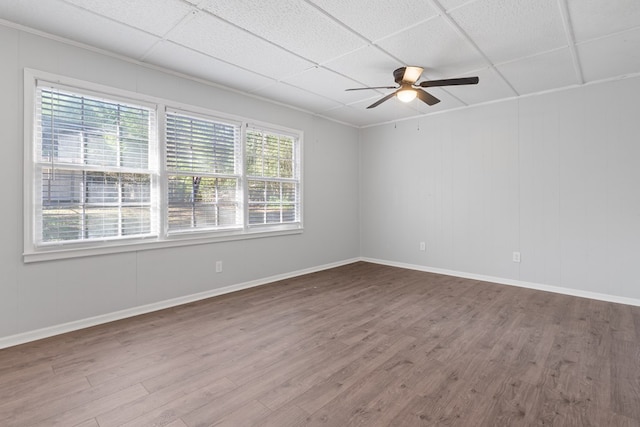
{"x":307,"y":52}
{"x":375,"y":19}
{"x":490,"y":88}
{"x":509,"y":29}
{"x":349,"y":114}
{"x":449,"y":5}
{"x":154,"y":16}
{"x":596,"y":18}
{"x":62,"y":19}
{"x":542,"y":72}
{"x":292,"y":24}
{"x":329,"y":84}
{"x":393,"y":109}
{"x":435,"y":46}
{"x":190,"y":62}
{"x":221,"y":40}
{"x":446,"y":102}
{"x":296,"y":97}
{"x":369,"y":66}
{"x":611,"y":57}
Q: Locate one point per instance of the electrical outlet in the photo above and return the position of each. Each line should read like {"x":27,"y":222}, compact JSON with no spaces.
{"x":423,"y":246}
{"x":516,"y":257}
{"x":218,"y":266}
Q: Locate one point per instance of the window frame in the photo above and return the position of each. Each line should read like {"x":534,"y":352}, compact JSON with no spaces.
{"x":32,"y":252}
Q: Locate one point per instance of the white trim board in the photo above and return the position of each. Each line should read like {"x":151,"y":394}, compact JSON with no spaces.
{"x":50,"y":331}
{"x":75,"y":325}
{"x":511,"y":282}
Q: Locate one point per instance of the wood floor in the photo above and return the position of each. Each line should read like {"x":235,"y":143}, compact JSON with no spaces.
{"x":362,"y":344}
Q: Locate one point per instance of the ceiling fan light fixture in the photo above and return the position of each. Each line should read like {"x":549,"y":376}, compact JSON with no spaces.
{"x":406,"y":95}
{"x":412,"y":74}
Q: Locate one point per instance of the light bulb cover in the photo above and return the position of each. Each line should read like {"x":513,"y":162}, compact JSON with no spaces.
{"x":406,"y":95}
{"x":411,"y":74}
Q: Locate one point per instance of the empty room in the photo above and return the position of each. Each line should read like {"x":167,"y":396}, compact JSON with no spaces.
{"x":320,"y":213}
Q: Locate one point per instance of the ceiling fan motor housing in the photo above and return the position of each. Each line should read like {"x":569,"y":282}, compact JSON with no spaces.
{"x":398,"y":74}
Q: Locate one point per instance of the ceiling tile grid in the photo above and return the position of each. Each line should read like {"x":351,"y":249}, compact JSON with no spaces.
{"x":154,"y":16}
{"x":65,"y":20}
{"x":539,"y":73}
{"x":305,"y":53}
{"x":184,"y":60}
{"x":437,"y":47}
{"x":510,"y":29}
{"x":598,"y":18}
{"x":614,"y":56}
{"x":375,"y":19}
{"x":291,"y":24}
{"x":221,"y":40}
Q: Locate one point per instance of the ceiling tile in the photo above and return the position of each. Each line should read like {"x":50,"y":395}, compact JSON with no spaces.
{"x":542,"y":72}
{"x":330,"y":85}
{"x":446,"y":102}
{"x":292,"y":24}
{"x":296,"y":97}
{"x":375,"y":19}
{"x":611,"y":56}
{"x":179,"y":58}
{"x":351,"y":115}
{"x":154,"y":16}
{"x":65,"y":20}
{"x":306,"y":52}
{"x":223,"y":41}
{"x":596,"y":18}
{"x":369,"y":66}
{"x":506,"y":30}
{"x":490,"y":87}
{"x":393,"y":109}
{"x":435,"y":46}
{"x":448,"y":5}
{"x":10,"y":10}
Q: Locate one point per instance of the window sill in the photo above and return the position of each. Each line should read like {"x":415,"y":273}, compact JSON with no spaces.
{"x":115,"y":247}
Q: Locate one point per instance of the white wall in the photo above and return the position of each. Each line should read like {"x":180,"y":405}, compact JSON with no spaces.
{"x":46,"y":294}
{"x":553,"y":176}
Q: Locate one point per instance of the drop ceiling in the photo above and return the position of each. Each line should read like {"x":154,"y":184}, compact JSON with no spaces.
{"x":305,"y":53}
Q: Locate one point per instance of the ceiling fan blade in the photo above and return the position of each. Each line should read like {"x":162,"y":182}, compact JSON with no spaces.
{"x":380,"y":101}
{"x":373,"y":87}
{"x":427,"y":98}
{"x":450,"y":82}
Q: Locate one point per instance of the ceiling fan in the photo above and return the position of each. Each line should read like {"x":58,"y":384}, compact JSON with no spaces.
{"x":408,"y":90}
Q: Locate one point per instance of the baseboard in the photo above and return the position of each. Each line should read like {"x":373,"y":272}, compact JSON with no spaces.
{"x":50,"y":331}
{"x":511,"y":282}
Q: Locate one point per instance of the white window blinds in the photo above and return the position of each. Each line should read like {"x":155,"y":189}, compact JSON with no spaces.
{"x":203,"y":171}
{"x":92,"y":170}
{"x":273,"y":177}
{"x":108,"y":170}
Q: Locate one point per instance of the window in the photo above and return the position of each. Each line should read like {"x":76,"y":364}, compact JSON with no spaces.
{"x":272,"y":176}
{"x":92,"y":168}
{"x":204,"y":173}
{"x":107,"y":171}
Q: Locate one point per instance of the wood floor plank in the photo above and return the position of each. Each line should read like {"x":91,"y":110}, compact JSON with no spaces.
{"x":173,"y":411}
{"x":249,"y":415}
{"x":85,"y":412}
{"x":289,"y":415}
{"x":625,"y":378}
{"x":88,"y":423}
{"x":361,"y":344}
